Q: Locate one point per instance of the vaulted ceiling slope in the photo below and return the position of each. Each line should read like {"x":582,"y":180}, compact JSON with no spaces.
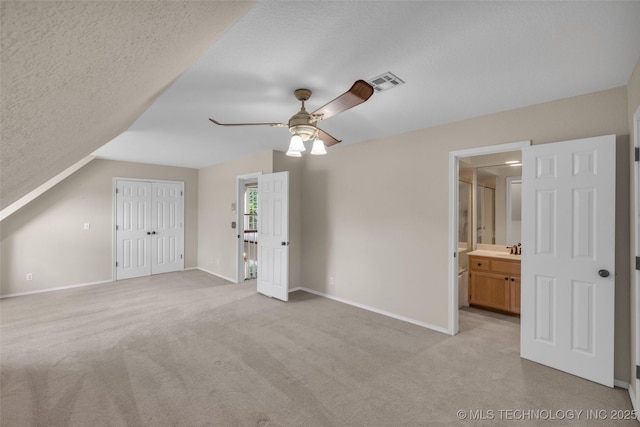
{"x":74,"y":75}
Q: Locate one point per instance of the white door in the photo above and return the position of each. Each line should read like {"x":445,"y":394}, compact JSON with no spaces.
{"x":167,"y":225}
{"x":568,"y":277}
{"x":273,"y":235}
{"x":133,"y":228}
{"x":149,"y":228}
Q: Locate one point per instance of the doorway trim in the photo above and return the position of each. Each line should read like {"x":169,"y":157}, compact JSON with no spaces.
{"x":454,"y":156}
{"x":635,"y":400}
{"x":241,"y":182}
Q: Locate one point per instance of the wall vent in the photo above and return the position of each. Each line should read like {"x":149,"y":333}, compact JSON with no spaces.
{"x":385,"y":81}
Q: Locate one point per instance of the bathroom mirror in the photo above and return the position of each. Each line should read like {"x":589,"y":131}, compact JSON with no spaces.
{"x":464,"y":215}
{"x":514,"y":209}
{"x":495,"y":182}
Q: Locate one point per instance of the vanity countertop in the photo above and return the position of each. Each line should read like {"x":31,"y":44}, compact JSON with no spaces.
{"x":494,"y":254}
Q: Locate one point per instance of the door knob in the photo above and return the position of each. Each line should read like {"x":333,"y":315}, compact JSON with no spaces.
{"x":148,"y":232}
{"x":153,"y":232}
{"x":603,"y":273}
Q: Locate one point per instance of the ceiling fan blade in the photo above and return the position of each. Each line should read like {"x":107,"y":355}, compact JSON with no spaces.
{"x":249,"y":124}
{"x":327,"y":139}
{"x":359,"y":92}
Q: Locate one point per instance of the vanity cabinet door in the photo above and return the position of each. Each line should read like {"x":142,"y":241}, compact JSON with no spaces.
{"x":514,"y":294}
{"x":490,"y":290}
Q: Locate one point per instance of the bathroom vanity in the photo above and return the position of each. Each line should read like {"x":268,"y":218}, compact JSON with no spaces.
{"x":494,"y":281}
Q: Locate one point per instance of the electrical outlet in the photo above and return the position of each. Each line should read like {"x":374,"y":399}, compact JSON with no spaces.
{"x":29,"y":276}
{"x":87,"y":225}
{"x":332,"y":281}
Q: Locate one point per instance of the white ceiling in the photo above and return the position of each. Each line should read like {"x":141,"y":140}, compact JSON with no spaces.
{"x":458,"y":59}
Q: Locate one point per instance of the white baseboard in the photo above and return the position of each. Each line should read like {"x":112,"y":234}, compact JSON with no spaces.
{"x":375,"y":310}
{"x":621,"y":384}
{"x":216,"y":274}
{"x":296,"y":289}
{"x":19,"y":294}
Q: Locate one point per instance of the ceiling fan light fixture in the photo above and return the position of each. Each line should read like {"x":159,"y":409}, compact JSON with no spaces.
{"x":318,"y":148}
{"x":304,"y":131}
{"x":302,"y":125}
{"x":296,"y":144}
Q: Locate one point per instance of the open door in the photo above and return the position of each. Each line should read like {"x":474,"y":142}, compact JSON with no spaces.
{"x":568,"y":277}
{"x":273,"y":235}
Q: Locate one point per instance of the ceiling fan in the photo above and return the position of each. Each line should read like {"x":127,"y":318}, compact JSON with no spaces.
{"x":302,"y":125}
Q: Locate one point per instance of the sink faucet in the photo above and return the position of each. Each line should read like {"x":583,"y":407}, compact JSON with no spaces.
{"x":516,"y":249}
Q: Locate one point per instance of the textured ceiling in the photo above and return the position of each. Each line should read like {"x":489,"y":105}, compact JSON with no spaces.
{"x":74,"y":75}
{"x":459,"y":60}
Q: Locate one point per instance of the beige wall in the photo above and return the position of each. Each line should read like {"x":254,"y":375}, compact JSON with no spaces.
{"x":217,"y":191}
{"x":375,"y":214}
{"x":633,"y":102}
{"x":47,"y":238}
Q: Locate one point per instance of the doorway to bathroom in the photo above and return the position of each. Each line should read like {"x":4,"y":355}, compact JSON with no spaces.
{"x":489,"y":233}
{"x":479,"y":187}
{"x":568,"y":303}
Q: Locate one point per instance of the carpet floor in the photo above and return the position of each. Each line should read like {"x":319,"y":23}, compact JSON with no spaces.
{"x":188,"y":349}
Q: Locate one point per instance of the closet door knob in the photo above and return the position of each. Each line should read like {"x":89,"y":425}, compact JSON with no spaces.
{"x":603,"y":273}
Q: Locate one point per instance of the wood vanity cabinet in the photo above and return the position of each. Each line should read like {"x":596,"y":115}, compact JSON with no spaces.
{"x":494,"y":283}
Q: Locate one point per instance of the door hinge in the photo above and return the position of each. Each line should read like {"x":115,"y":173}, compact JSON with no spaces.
{"x":181,"y":193}
{"x":455,"y":254}
{"x":637,"y":153}
{"x":116,"y":263}
{"x":180,"y":256}
{"x":638,"y":263}
{"x":117,"y":227}
{"x":116,"y":191}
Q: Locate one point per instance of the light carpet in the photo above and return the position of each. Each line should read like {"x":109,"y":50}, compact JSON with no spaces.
{"x":188,"y":349}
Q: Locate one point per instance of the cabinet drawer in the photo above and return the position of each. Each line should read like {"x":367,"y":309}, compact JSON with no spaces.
{"x":479,"y":264}
{"x":507,"y":267}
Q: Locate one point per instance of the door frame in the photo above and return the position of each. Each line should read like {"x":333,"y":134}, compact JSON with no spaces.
{"x":454,"y":157}
{"x":241,"y":182}
{"x":114,"y":246}
{"x":636,"y":186}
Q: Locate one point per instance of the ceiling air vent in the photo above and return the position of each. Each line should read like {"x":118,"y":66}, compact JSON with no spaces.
{"x":385,"y":81}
